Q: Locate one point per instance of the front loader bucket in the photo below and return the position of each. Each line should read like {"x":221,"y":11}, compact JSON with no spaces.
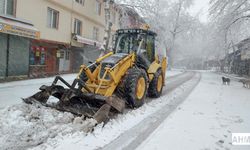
{"x":75,"y":101}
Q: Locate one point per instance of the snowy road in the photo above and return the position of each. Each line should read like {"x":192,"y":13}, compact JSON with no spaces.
{"x":203,"y":120}
{"x":126,"y":125}
{"x":136,"y":135}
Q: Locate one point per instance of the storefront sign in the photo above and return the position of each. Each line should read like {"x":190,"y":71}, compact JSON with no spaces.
{"x":20,"y":31}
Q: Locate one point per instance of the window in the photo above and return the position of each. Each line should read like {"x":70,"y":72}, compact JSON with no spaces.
{"x":150,"y":47}
{"x":67,"y":56}
{"x":95,"y":33}
{"x":64,"y":54}
{"x":53,"y":18}
{"x":98,"y":7}
{"x":127,"y":43}
{"x":80,"y":1}
{"x":7,"y":7}
{"x":37,"y":56}
{"x":78,"y":27}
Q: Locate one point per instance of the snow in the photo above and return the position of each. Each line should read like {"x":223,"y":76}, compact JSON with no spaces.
{"x":115,"y":127}
{"x":12,"y":92}
{"x":206,"y":119}
{"x":173,"y":72}
{"x":26,"y":126}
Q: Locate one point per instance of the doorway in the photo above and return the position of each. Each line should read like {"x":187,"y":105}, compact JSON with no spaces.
{"x":64,"y":61}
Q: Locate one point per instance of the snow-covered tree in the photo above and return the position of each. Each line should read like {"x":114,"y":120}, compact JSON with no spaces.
{"x":230,"y":24}
{"x":231,"y":20}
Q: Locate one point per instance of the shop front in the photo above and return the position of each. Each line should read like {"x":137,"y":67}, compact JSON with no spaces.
{"x":15,"y":36}
{"x":49,"y":58}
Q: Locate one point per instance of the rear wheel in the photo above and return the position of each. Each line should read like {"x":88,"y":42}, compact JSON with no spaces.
{"x":156,"y":85}
{"x":134,"y":87}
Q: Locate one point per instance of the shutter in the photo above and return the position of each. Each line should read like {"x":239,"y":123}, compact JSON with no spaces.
{"x":3,"y":53}
{"x":18,"y":56}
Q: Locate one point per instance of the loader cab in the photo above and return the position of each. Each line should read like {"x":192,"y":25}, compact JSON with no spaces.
{"x":140,"y":41}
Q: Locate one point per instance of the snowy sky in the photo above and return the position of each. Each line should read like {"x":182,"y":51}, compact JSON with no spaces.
{"x":201,"y":7}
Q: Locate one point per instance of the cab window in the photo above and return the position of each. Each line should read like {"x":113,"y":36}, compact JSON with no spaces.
{"x":150,"y":48}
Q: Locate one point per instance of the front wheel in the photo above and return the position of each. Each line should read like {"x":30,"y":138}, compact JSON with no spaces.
{"x":135,"y":87}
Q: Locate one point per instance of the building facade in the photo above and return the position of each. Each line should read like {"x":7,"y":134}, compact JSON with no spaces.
{"x":48,"y":37}
{"x":71,"y":32}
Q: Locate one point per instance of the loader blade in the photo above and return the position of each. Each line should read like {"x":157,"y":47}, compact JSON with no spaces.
{"x":73,"y":100}
{"x":41,"y":97}
{"x":117,"y":103}
{"x":102,"y":115}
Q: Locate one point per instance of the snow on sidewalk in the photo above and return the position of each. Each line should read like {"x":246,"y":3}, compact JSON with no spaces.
{"x":206,"y":120}
{"x":12,"y":92}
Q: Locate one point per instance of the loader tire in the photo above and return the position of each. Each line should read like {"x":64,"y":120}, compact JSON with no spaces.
{"x":135,"y":87}
{"x":156,"y":85}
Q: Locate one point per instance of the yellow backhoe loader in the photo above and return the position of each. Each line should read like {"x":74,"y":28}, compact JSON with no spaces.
{"x":123,"y":77}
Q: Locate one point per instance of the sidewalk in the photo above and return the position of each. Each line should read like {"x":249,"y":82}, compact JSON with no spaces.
{"x":12,"y":92}
{"x":206,"y":120}
{"x":24,"y":78}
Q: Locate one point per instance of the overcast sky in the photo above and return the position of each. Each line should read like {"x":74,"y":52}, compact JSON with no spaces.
{"x":201,"y":7}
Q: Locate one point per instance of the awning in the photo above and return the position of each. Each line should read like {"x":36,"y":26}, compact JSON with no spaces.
{"x":83,"y":40}
{"x":15,"y":27}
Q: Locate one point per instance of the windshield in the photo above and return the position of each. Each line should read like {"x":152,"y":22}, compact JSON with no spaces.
{"x":126,"y":43}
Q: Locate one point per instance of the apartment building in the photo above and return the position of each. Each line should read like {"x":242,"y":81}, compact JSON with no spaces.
{"x":68,"y":32}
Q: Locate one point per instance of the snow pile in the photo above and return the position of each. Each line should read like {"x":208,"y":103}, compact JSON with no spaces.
{"x":23,"y":126}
